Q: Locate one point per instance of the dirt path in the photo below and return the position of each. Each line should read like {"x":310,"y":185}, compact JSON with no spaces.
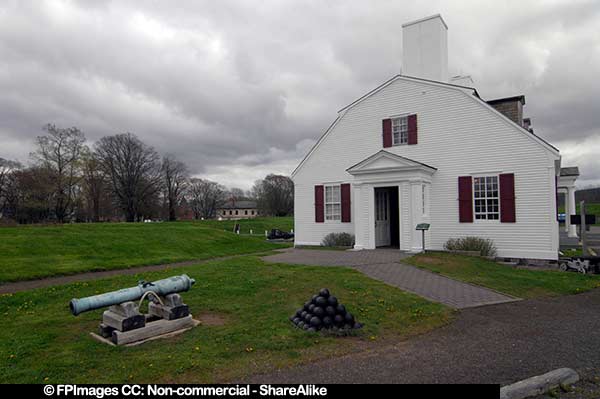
{"x":11,"y":288}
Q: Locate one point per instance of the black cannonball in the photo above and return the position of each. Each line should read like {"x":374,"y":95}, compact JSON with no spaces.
{"x":303,"y":314}
{"x":338,"y":319}
{"x":306,"y":305}
{"x":327,"y":321}
{"x":311,"y":307}
{"x":315,"y":321}
{"x":330,"y":310}
{"x":340,"y":309}
{"x":306,"y":326}
{"x":324,"y":292}
{"x":299,"y":312}
{"x":349,"y":318}
{"x":308,"y":317}
{"x":321,"y":301}
{"x":332,"y":301}
{"x":311,"y":329}
{"x":357,"y":325}
{"x":318,"y":311}
{"x":314,"y":297}
{"x":300,"y":324}
{"x":296,"y":320}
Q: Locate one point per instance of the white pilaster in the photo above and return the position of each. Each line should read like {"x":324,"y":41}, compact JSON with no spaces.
{"x":570,"y":205}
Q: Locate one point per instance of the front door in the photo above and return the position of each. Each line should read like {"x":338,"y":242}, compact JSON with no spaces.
{"x":382,"y":217}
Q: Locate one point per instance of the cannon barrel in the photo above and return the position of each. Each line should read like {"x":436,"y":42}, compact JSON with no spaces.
{"x":163,"y":287}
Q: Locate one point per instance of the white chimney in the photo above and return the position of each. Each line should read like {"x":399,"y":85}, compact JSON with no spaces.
{"x":425,"y":48}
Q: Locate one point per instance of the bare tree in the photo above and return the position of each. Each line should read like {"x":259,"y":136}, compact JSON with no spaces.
{"x":275,"y":195}
{"x":94,"y":184}
{"x":204,"y":197}
{"x":59,"y":151}
{"x":175,"y":176}
{"x":133,"y":170}
{"x":237,"y":194}
{"x":7,"y":172}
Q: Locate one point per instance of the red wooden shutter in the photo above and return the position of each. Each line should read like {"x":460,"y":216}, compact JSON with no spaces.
{"x":465,"y":199}
{"x":412,"y":129}
{"x":319,"y":205}
{"x":345,"y":191}
{"x":387,"y":133}
{"x":507,"y":198}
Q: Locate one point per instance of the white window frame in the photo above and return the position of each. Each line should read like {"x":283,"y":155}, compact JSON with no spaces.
{"x":400,"y":126}
{"x":485,"y":198}
{"x":332,"y":216}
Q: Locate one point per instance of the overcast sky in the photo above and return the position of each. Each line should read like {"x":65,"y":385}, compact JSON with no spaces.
{"x":239,"y":89}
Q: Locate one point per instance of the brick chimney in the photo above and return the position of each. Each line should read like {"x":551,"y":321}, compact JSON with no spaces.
{"x":511,"y":107}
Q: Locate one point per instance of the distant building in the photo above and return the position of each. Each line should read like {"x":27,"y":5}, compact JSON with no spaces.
{"x":233,"y":210}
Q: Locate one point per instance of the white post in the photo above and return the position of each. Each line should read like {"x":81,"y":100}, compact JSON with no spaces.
{"x":583,"y":228}
{"x":570,"y":210}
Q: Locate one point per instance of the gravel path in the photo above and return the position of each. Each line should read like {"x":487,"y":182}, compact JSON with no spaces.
{"x":494,"y":344}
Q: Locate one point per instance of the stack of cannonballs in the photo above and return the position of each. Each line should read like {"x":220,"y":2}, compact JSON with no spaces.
{"x":324,"y":312}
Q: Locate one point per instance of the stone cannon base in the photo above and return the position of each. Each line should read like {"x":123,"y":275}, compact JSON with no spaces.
{"x":123,"y":324}
{"x":158,"y":329}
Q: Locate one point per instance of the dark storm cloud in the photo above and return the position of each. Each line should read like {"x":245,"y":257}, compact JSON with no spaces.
{"x":241,"y":89}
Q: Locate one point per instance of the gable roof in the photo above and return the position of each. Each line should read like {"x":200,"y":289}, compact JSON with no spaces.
{"x":384,"y":160}
{"x":470,"y":92}
{"x":395,"y":77}
{"x":238,"y":205}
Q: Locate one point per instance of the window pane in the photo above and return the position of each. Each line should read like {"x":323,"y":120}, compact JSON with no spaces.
{"x":485,"y":195}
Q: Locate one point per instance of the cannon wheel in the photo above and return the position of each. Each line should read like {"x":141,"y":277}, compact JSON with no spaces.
{"x":563,"y":266}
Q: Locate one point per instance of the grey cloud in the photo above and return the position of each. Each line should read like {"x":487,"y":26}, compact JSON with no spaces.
{"x":239,"y":89}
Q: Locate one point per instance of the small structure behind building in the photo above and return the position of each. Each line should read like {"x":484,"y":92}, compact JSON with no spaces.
{"x":234,"y":210}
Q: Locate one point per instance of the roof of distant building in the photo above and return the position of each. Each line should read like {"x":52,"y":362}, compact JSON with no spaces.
{"x":238,"y":205}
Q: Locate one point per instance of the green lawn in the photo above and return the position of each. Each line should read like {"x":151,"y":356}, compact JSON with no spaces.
{"x":40,"y":341}
{"x":257,"y":225}
{"x":518,"y":282}
{"x":29,"y":252}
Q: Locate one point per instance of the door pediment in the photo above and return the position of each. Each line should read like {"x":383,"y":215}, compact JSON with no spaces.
{"x":384,"y":161}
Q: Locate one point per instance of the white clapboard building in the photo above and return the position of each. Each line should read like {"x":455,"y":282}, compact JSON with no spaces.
{"x":426,"y":148}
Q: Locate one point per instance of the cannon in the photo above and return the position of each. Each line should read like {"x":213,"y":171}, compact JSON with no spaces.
{"x":122,"y":323}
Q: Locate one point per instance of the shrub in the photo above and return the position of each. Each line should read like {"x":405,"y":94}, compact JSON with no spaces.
{"x":338,"y":240}
{"x":484,"y":246}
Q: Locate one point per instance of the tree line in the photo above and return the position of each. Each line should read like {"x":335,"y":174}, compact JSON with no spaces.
{"x":118,"y":178}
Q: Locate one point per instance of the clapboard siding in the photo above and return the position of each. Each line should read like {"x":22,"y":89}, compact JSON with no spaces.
{"x":459,"y":136}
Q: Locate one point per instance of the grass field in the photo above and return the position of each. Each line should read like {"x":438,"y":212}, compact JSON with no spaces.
{"x":518,"y":282}
{"x":40,"y":341}
{"x":30,"y":252}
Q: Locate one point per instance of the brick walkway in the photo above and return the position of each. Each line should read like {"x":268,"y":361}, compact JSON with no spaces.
{"x":384,"y":265}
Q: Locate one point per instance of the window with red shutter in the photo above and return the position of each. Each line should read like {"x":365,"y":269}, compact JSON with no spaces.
{"x":465,"y":199}
{"x":346,"y":210}
{"x":319,"y":207}
{"x":412,"y":129}
{"x":507,"y":198}
{"x":387,"y":132}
